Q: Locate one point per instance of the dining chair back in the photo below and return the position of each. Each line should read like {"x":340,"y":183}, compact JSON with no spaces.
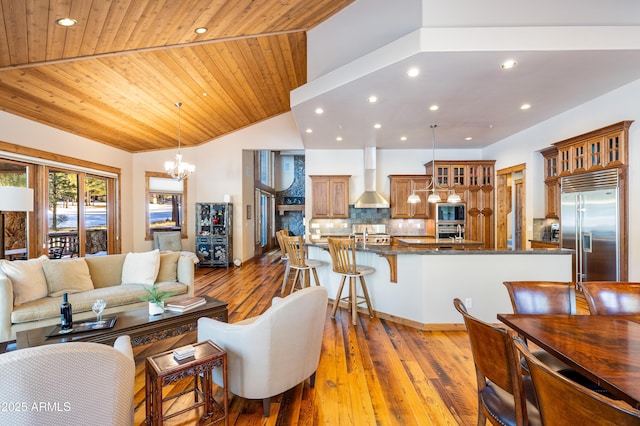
{"x":542,"y":297}
{"x":343,"y":260}
{"x":612,"y":297}
{"x":553,"y":298}
{"x":283,"y":257}
{"x":562,"y":401}
{"x":299,"y":262}
{"x":504,"y":397}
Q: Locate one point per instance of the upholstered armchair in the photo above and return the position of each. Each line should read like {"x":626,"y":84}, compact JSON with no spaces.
{"x":167,"y":241}
{"x":68,"y":384}
{"x":273,"y":352}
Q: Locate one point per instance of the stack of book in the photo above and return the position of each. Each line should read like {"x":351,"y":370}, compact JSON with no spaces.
{"x":184,"y":305}
{"x":184,"y":352}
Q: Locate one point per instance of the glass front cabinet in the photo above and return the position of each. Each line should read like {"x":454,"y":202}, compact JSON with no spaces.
{"x":214,"y":236}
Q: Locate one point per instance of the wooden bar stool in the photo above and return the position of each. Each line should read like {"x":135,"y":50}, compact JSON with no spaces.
{"x":284,"y":257}
{"x":298,"y":262}
{"x":343,"y":258}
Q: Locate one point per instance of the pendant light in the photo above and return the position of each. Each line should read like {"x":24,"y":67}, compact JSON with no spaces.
{"x":179,"y":169}
{"x":434,"y":197}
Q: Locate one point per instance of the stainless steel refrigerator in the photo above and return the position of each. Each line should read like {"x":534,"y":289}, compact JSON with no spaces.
{"x":590,"y":224}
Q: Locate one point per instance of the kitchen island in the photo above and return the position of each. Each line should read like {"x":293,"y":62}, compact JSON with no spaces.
{"x":427,"y":280}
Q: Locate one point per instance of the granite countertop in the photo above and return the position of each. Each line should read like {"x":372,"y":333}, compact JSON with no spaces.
{"x":544,"y":241}
{"x":389,"y":250}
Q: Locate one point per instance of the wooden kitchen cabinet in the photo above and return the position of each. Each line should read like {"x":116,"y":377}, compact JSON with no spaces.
{"x":551,"y":183}
{"x":602,"y":148}
{"x":401,"y":187}
{"x":330,"y":196}
{"x":473,"y":180}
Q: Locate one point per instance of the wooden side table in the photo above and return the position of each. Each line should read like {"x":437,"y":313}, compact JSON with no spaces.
{"x":164,"y":369}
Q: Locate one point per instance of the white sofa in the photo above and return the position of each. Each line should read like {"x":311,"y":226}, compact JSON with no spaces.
{"x":76,"y":383}
{"x":25,"y":305}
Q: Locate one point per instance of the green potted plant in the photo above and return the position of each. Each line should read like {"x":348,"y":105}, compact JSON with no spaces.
{"x":156,"y":298}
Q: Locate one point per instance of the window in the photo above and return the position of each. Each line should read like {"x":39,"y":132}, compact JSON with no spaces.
{"x":166,"y":204}
{"x":264,"y":200}
{"x":16,"y":223}
{"x":75,"y":204}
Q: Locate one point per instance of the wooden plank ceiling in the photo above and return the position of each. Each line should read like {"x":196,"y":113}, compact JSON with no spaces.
{"x":115,"y":76}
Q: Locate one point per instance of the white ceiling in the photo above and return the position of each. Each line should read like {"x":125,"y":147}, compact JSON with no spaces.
{"x":558,"y":69}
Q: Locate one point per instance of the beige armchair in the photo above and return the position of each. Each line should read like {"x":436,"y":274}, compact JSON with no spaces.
{"x":271,"y":353}
{"x":68,"y":384}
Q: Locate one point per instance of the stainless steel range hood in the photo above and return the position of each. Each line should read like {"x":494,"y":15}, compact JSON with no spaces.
{"x":370,"y":198}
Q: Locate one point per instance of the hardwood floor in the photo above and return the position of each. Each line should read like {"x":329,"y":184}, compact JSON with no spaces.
{"x":377,"y":373}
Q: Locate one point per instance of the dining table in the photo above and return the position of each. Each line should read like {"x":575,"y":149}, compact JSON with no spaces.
{"x":604,"y":348}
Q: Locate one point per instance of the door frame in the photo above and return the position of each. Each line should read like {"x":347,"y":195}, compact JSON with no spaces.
{"x":504,"y":204}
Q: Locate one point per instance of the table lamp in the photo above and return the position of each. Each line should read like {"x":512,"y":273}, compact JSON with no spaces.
{"x":13,"y":199}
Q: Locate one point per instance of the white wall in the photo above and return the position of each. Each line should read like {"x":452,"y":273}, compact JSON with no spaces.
{"x":20,"y":131}
{"x":618,"y":105}
{"x":219,"y":171}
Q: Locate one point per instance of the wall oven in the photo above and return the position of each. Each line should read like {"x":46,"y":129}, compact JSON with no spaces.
{"x":450,"y":212}
{"x":450,"y":220}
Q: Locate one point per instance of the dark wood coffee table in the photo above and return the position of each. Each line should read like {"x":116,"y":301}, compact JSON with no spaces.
{"x":137,"y":323}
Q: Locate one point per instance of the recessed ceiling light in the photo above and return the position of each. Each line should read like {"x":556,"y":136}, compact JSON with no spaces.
{"x":468,"y":138}
{"x":403,"y":138}
{"x":373,"y":99}
{"x":200,"y":30}
{"x":377,"y":125}
{"x":413,"y":72}
{"x":339,"y":138}
{"x":508,"y":64}
{"x":319,"y":110}
{"x":525,"y":106}
{"x":309,"y":131}
{"x":434,"y":107}
{"x":66,"y":22}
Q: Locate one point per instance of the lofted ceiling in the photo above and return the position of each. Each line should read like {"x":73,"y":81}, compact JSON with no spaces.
{"x":116,"y":75}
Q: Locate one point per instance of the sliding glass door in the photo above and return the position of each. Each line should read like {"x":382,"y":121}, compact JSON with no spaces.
{"x":78,"y":214}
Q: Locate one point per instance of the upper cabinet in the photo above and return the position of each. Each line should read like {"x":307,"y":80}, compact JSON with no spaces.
{"x":401,"y":187}
{"x":551,"y":183}
{"x":473,"y":180}
{"x":330,"y":195}
{"x":602,"y":148}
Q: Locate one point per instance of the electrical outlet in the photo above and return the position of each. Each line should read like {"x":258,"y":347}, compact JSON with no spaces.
{"x":468,"y":303}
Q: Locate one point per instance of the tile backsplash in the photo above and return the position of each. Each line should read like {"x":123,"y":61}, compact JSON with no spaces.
{"x":543,"y":229}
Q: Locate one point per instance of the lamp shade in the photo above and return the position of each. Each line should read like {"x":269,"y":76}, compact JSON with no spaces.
{"x":16,"y":199}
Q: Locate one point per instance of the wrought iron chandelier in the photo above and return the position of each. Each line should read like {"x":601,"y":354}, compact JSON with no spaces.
{"x":432,"y":187}
{"x":179,"y":169}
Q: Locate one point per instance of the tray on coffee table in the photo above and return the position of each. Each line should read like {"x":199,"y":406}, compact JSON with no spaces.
{"x":82,"y":327}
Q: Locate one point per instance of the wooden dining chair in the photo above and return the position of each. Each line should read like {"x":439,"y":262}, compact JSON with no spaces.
{"x":343,"y":259}
{"x":561,"y":401}
{"x":543,"y":297}
{"x":548,"y":298}
{"x":283,"y":257}
{"x":612,"y":297}
{"x":299,"y":262}
{"x":505,"y":397}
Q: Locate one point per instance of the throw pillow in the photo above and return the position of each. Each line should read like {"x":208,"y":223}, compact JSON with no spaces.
{"x":67,"y":276}
{"x":168,"y":267}
{"x":141,"y":268}
{"x":27,"y":279}
{"x":170,"y":241}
